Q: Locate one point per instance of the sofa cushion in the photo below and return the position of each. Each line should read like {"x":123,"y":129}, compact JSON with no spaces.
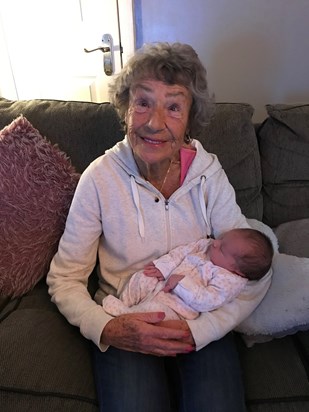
{"x":45,"y":364}
{"x":275,"y":375}
{"x":293,"y":237}
{"x":231,"y":136}
{"x":82,"y":130}
{"x":284,"y":147}
{"x":37,"y":183}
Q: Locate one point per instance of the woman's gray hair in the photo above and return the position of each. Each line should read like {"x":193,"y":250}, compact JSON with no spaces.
{"x":174,"y":63}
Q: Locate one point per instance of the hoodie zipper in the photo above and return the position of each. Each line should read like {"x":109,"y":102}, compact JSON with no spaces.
{"x":168,"y":228}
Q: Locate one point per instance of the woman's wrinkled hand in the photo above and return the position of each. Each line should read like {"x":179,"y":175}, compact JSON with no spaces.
{"x":148,"y":333}
{"x":180,"y":325}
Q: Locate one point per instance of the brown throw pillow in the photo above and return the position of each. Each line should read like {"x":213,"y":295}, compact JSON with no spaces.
{"x":37,"y":183}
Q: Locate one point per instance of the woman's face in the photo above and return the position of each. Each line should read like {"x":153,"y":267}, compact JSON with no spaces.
{"x":157,"y":119}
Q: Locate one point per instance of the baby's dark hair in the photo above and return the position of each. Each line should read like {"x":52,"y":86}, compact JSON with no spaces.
{"x":255,"y":265}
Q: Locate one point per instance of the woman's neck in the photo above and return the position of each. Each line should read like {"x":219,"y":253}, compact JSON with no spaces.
{"x":165,"y":176}
{"x":153,"y":171}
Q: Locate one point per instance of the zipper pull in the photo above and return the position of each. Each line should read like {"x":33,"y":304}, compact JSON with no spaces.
{"x":166,"y":204}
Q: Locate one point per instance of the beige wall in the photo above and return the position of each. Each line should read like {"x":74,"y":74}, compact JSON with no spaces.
{"x":255,"y":51}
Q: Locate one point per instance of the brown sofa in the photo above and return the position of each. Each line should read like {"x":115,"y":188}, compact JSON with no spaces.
{"x":45,"y":362}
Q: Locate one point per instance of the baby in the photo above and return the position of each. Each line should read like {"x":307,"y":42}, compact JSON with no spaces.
{"x":197,"y":277}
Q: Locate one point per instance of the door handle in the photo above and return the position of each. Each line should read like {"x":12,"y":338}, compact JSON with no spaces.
{"x":108,"y":50}
{"x":103,"y":49}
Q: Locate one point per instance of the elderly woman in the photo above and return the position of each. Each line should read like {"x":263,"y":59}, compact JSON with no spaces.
{"x":153,"y":191}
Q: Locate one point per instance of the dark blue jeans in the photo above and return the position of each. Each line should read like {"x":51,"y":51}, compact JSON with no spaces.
{"x":205,"y":381}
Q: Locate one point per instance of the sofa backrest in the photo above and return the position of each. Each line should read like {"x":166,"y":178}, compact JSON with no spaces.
{"x":82,"y":130}
{"x":85,"y":130}
{"x":284,"y":148}
{"x":231,"y":136}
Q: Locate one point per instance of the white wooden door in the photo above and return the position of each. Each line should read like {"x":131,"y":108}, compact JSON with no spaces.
{"x":45,"y":42}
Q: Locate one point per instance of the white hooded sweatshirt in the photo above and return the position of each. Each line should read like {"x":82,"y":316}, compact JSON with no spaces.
{"x":119,"y":217}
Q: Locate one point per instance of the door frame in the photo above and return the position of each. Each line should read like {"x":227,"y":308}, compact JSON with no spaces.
{"x":127,"y":27}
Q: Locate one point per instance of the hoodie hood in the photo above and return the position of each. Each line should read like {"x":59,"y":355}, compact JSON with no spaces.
{"x":203,"y":167}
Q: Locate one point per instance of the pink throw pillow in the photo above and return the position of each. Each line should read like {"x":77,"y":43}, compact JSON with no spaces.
{"x":37,"y":183}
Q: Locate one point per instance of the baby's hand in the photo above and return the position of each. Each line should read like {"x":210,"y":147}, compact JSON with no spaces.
{"x":172,"y":282}
{"x":151,"y":271}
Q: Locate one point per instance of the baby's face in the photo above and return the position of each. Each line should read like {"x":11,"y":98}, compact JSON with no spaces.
{"x":224,"y":250}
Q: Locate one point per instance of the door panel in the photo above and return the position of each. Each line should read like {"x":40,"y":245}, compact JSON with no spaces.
{"x":45,"y":42}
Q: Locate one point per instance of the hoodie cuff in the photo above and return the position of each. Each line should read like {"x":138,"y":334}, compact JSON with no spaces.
{"x":93,"y":324}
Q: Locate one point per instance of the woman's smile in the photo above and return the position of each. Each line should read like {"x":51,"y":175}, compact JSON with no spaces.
{"x":155,"y":142}
{"x":152,"y":141}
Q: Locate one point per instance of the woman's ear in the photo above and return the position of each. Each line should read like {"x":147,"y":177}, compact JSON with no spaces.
{"x":187,"y":138}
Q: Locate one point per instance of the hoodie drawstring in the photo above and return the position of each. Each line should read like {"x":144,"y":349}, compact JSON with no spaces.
{"x":140,"y":219}
{"x":203,"y":201}
{"x":136,"y":199}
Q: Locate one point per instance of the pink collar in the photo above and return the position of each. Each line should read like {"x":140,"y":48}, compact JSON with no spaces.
{"x":186,"y":158}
